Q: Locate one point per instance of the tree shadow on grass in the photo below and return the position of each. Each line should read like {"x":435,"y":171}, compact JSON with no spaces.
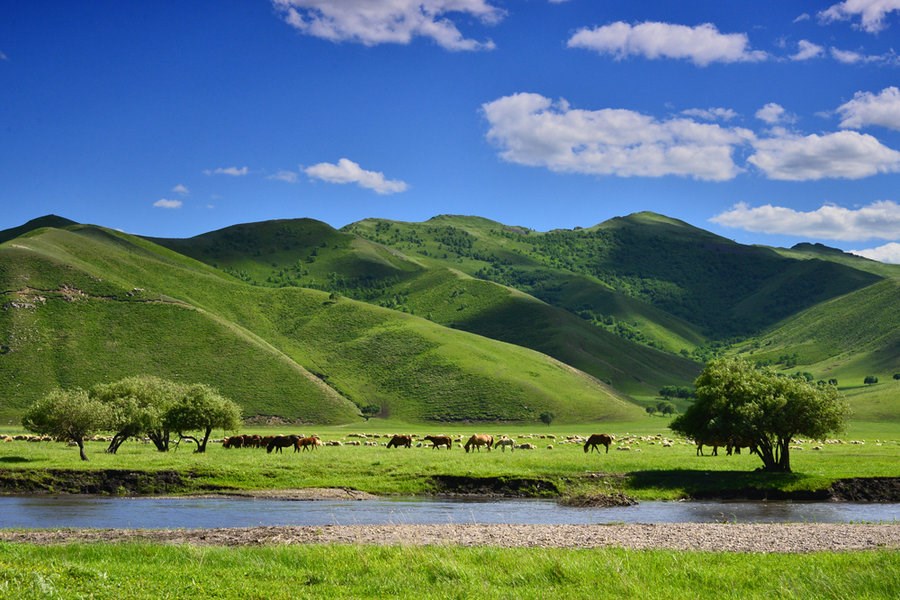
{"x":736,"y":485}
{"x":14,"y":459}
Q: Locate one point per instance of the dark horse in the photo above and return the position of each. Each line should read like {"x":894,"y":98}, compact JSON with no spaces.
{"x":400,"y":440}
{"x":596,"y":440}
{"x":439,"y":440}
{"x":281,"y":441}
{"x":479,"y":440}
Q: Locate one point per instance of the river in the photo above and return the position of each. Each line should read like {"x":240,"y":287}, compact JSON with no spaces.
{"x":103,"y":512}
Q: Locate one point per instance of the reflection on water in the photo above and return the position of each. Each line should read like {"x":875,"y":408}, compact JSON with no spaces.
{"x":191,"y":513}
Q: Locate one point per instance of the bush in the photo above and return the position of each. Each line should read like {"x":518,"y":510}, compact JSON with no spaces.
{"x":870,"y":379}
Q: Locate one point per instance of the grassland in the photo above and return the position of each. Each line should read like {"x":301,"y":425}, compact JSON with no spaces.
{"x":156,"y":571}
{"x":647,"y":471}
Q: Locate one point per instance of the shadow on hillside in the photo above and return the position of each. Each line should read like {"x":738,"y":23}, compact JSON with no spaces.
{"x":729,"y":485}
{"x":14,"y":459}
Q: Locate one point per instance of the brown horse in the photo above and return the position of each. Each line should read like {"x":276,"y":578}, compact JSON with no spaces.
{"x":596,"y":440}
{"x":307,"y":443}
{"x":281,"y":441}
{"x":400,"y":440}
{"x":479,"y":440}
{"x":439,"y":440}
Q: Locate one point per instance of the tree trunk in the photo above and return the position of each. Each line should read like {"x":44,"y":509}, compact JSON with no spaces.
{"x":202,"y":447}
{"x":784,"y":463}
{"x":117,"y":441}
{"x":80,"y":443}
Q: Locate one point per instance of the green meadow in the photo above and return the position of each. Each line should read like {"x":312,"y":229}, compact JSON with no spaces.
{"x":648,"y":470}
{"x":287,"y":572}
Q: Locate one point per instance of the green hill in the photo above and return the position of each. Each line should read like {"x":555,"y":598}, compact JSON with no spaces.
{"x":86,"y":304}
{"x":312,"y":254}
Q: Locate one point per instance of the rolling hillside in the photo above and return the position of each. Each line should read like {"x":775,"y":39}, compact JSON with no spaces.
{"x":83,"y":304}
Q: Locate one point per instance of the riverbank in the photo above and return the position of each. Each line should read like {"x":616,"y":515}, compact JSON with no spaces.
{"x":713,"y":537}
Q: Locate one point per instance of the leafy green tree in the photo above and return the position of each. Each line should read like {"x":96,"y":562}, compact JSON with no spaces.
{"x":739,"y":401}
{"x":547,"y":418}
{"x":67,"y":415}
{"x":370,"y":410}
{"x":870,"y":380}
{"x":137,"y":406}
{"x":666,"y":408}
{"x":201,"y":408}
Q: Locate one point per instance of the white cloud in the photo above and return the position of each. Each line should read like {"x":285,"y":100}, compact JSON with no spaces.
{"x":843,"y":155}
{"x":3,"y":56}
{"x":163,"y":203}
{"x":702,"y":44}
{"x":807,"y":50}
{"x":181,"y":189}
{"x":532,"y":130}
{"x":347,"y":171}
{"x":772,"y":114}
{"x":879,"y":220}
{"x":373,"y":22}
{"x":872,"y":13}
{"x":889,"y":253}
{"x":802,"y":17}
{"x":867,"y":108}
{"x":286,"y":176}
{"x":710,"y":114}
{"x":233,"y":171}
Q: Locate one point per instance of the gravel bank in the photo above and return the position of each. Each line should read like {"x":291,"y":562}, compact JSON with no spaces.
{"x":681,"y":536}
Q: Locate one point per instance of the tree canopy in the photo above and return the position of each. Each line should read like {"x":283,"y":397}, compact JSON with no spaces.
{"x":747,"y":405}
{"x":137,"y":406}
{"x":68,"y":415}
{"x":201,"y":408}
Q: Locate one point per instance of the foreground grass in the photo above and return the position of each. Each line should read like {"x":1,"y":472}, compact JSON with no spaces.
{"x":647,"y":471}
{"x":155,"y":571}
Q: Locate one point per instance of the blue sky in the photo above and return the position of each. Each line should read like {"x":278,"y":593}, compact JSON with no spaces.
{"x":767,"y":122}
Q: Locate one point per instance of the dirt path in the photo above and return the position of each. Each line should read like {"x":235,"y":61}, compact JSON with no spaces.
{"x":682,"y":536}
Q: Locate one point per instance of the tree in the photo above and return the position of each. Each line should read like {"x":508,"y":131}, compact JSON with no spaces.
{"x":370,"y":410}
{"x":870,"y":380}
{"x":67,"y":415}
{"x":201,"y":408}
{"x":666,"y":408}
{"x":740,"y":402}
{"x":137,"y":406}
{"x":547,"y":418}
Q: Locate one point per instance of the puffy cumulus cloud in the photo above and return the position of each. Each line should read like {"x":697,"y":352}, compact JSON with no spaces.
{"x":879,"y":220}
{"x":373,"y":22}
{"x":772,"y":114}
{"x":710,"y":114}
{"x":181,"y":189}
{"x":871,"y":13}
{"x":889,"y":253}
{"x":163,"y":203}
{"x":807,"y":50}
{"x":702,"y":44}
{"x":867,"y":109}
{"x":841,"y":155}
{"x":232,"y":171}
{"x":532,"y":130}
{"x":347,"y":171}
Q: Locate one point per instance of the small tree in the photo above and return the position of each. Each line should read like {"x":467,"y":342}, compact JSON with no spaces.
{"x":870,"y":380}
{"x":370,"y":410}
{"x":547,"y":418}
{"x":137,"y":406}
{"x":201,"y":408}
{"x":67,"y":415}
{"x":739,"y":401}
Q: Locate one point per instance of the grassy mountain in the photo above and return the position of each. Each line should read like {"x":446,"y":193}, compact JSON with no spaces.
{"x":86,"y":304}
{"x":311,"y":254}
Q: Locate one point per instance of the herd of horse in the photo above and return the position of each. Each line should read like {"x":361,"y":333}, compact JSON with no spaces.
{"x":276,"y":443}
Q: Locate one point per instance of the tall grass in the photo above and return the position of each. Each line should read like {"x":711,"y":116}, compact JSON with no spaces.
{"x":155,"y":571}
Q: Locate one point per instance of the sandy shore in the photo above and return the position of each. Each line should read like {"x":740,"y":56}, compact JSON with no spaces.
{"x":716,"y":537}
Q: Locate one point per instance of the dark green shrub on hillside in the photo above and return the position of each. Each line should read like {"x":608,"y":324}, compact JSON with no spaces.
{"x":870,"y":380}
{"x":547,"y":418}
{"x":896,"y":376}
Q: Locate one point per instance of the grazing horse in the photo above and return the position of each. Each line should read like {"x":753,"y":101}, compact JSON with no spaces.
{"x":596,"y":440}
{"x":281,"y":441}
{"x":307,"y":443}
{"x":503,"y":442}
{"x":400,"y":440}
{"x":479,"y":440}
{"x":439,"y":440}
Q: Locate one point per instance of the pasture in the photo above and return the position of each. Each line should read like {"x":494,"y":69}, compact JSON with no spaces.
{"x":657,"y":465}
{"x":320,"y":571}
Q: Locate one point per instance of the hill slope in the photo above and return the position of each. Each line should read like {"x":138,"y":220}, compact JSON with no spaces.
{"x":87,"y":304}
